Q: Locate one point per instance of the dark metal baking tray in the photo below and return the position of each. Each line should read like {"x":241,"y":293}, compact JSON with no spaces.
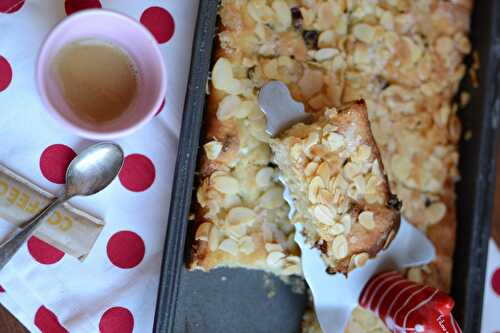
{"x":237,"y":300}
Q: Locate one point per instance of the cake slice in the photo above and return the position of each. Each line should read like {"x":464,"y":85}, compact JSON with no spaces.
{"x":336,"y":177}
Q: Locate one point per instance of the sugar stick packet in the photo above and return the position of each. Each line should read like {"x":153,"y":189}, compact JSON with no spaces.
{"x":69,"y":229}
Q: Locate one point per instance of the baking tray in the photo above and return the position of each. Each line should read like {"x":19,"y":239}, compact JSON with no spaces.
{"x":237,"y":300}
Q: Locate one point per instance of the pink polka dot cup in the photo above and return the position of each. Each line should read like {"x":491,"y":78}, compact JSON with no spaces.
{"x":129,"y":35}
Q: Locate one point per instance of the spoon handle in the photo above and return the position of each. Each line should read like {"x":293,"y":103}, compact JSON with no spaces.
{"x":10,"y":246}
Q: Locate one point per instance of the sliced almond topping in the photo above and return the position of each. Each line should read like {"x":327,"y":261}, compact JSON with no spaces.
{"x":415,"y":275}
{"x":267,"y":232}
{"x":240,"y":215}
{"x":222,"y":77}
{"x":324,"y":172}
{"x":364,"y":33}
{"x":271,"y":247}
{"x":335,"y":141}
{"x":247,"y":245}
{"x":435,"y":212}
{"x":283,"y":13}
{"x":311,"y":140}
{"x":292,"y":270}
{"x":366,"y":220}
{"x":314,"y":187}
{"x":346,"y":221}
{"x":325,"y":54}
{"x":264,"y":176}
{"x":337,"y":229}
{"x":361,"y":259}
{"x":325,"y":214}
{"x":203,"y":231}
{"x":340,"y":247}
{"x":228,"y":106}
{"x":273,"y":198}
{"x":212,"y":149}
{"x":351,"y":169}
{"x":236,"y":231}
{"x":244,"y":109}
{"x":293,"y":259}
{"x":310,"y":168}
{"x":214,"y":238}
{"x":275,"y":258}
{"x":325,"y":197}
{"x":230,"y":246}
{"x":362,"y":154}
{"x":226,"y":184}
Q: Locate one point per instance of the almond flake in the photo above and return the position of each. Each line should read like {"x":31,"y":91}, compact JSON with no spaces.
{"x":324,"y":172}
{"x":274,"y":258}
{"x":214,"y":238}
{"x":325,"y":214}
{"x":222,"y":77}
{"x":361,"y":259}
{"x":240,"y":215}
{"x":272,"y":198}
{"x":212,"y":149}
{"x":435,"y":212}
{"x":226,"y":184}
{"x":247,"y":245}
{"x":337,"y":229}
{"x":314,"y":187}
{"x":340,"y":247}
{"x":366,"y":220}
{"x":203,"y":231}
{"x":310,"y":168}
{"x":364,"y":33}
{"x":227,"y":107}
{"x":264,"y":176}
{"x":230,"y":246}
{"x":271,"y":247}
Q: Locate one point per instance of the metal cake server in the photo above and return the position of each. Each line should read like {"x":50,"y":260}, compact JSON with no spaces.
{"x":335,"y":296}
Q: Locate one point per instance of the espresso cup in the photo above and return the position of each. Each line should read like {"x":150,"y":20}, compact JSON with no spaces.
{"x":127,"y":34}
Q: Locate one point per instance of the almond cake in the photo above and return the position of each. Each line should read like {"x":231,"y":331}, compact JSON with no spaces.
{"x":403,"y":57}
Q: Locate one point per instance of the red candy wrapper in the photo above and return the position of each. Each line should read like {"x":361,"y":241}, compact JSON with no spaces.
{"x":405,"y":306}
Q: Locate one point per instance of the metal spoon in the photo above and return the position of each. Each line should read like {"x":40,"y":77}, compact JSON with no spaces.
{"x":90,"y":172}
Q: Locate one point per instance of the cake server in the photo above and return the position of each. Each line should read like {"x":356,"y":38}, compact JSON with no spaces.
{"x":335,"y":296}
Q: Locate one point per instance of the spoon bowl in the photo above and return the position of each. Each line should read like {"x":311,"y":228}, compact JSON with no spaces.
{"x":93,"y":169}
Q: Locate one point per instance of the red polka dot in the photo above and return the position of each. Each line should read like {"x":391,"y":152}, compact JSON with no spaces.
{"x":495,"y":281}
{"x":42,"y":252}
{"x":159,"y":22}
{"x":47,"y":321}
{"x":5,"y":72}
{"x":160,"y":109}
{"x":71,"y":6}
{"x":125,"y":249}
{"x":54,"y":161}
{"x":2,"y":290}
{"x":116,"y":320}
{"x":138,"y":173}
{"x":10,"y":6}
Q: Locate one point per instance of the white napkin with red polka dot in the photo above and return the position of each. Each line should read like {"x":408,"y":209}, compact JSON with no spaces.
{"x":114,"y":290}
